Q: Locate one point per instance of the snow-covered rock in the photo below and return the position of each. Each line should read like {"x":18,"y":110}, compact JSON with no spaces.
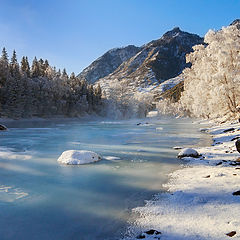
{"x":77,"y":157}
{"x":203,"y":129}
{"x":188,"y":152}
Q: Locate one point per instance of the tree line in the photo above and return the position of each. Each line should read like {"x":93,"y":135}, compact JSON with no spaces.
{"x":41,"y":90}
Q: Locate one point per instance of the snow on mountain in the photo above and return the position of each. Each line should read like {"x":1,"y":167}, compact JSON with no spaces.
{"x":146,"y":68}
{"x":155,"y":63}
{"x":107,"y":63}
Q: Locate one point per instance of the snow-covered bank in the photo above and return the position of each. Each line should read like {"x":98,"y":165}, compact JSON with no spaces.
{"x":199,"y":203}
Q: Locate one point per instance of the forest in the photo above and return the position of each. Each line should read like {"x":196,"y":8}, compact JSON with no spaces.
{"x":40,"y":90}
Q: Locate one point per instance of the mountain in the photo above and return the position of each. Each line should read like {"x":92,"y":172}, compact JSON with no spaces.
{"x":159,"y":60}
{"x":155,"y":61}
{"x":107,"y":63}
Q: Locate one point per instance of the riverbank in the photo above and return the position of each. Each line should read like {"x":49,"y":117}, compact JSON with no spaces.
{"x":199,"y":203}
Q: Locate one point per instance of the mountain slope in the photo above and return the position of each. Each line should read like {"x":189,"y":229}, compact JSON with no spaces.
{"x":107,"y":63}
{"x":158,"y":60}
{"x":154,"y":62}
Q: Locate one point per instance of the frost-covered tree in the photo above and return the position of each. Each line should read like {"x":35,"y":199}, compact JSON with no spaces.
{"x":35,"y":72}
{"x":122,"y":102}
{"x":14,"y":66}
{"x":25,"y":68}
{"x":42,"y":91}
{"x":42,"y":67}
{"x":4,"y":67}
{"x":212,"y":84}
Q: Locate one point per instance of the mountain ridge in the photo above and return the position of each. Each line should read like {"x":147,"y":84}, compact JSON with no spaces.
{"x":148,"y":65}
{"x":107,"y":63}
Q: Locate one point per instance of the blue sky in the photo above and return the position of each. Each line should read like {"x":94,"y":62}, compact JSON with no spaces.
{"x":73,"y":33}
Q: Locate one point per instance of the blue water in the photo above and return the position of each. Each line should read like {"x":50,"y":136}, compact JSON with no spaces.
{"x":42,"y":200}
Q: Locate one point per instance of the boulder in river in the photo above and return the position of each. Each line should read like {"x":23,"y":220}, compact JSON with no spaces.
{"x":3,"y":128}
{"x":237,"y":193}
{"x":77,"y":157}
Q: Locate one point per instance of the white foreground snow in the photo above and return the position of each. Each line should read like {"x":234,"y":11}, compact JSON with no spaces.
{"x":199,"y":204}
{"x":76,"y":157}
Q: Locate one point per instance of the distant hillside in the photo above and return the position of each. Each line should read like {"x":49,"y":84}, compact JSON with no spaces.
{"x":155,"y":63}
{"x":145,"y":67}
{"x":108,"y":63}
{"x":158,"y":60}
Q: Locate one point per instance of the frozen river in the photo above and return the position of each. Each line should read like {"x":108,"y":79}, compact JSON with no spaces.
{"x":40,"y":199}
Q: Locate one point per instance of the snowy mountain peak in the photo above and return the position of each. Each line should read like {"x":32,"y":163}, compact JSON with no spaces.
{"x":145,"y":67}
{"x":156,"y":62}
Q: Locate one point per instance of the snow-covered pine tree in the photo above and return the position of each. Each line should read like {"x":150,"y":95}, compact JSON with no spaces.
{"x":42,"y":68}
{"x":14,"y":90}
{"x":4,"y":67}
{"x":41,"y":91}
{"x":25,"y":68}
{"x":4,"y":75}
{"x":35,"y":71}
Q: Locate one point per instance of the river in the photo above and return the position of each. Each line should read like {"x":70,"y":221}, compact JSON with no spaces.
{"x":41,"y":199}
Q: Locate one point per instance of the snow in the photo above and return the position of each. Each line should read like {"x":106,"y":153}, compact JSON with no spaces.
{"x":170,"y":83}
{"x":76,"y":157}
{"x":152,"y":114}
{"x":11,"y":194}
{"x":188,"y":152}
{"x":199,"y":203}
{"x":110,"y":158}
{"x":12,"y":154}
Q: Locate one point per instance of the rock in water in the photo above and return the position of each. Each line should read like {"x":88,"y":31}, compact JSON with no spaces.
{"x":76,"y":157}
{"x":188,"y":152}
{"x":237,"y":193}
{"x":153,"y":233}
{"x":238,"y":145}
{"x":2,"y":127}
